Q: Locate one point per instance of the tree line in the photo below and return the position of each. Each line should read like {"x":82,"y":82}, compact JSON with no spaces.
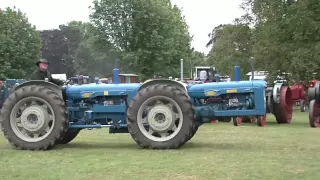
{"x":282,"y":36}
{"x":148,"y":37}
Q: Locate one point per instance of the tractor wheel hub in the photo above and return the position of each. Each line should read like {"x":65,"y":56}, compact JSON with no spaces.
{"x":160,"y":118}
{"x":34,"y":119}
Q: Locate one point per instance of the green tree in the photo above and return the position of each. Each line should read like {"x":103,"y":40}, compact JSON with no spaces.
{"x":91,"y":58}
{"x":150,"y":35}
{"x":231,"y":46}
{"x":286,"y":36}
{"x":19,"y":44}
{"x":197,"y":59}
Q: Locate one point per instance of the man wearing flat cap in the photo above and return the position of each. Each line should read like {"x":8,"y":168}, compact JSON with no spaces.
{"x":41,"y":73}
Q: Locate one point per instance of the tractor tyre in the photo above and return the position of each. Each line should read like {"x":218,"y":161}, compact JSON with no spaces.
{"x":33,"y":118}
{"x":237,"y":121}
{"x":314,"y":114}
{"x":68,"y":137}
{"x":194,"y":132}
{"x":11,"y":90}
{"x":170,"y":120}
{"x":262,"y":121}
{"x":283,"y":109}
{"x":303,"y":106}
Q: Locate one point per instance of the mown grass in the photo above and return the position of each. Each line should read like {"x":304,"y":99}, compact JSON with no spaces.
{"x":217,"y":151}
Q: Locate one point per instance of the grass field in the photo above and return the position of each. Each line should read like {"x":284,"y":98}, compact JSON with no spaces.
{"x":219,"y":151}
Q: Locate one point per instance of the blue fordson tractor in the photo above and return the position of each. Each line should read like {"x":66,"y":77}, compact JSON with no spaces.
{"x":159,"y":114}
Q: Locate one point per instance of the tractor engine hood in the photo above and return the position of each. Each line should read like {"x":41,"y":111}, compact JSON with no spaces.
{"x":93,"y":90}
{"x":218,"y":88}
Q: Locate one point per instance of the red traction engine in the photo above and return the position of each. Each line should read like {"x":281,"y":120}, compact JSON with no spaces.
{"x":298,"y":91}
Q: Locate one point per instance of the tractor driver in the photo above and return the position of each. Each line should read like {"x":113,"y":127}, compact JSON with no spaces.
{"x":41,"y":73}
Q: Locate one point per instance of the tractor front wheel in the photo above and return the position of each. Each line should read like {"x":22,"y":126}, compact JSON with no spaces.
{"x":33,"y":118}
{"x":68,"y":137}
{"x":161,"y":117}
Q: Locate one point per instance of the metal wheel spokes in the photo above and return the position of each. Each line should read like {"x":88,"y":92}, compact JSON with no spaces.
{"x":32,"y":119}
{"x":160,"y":118}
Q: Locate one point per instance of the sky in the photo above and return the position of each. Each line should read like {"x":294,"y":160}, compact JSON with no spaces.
{"x":201,"y":15}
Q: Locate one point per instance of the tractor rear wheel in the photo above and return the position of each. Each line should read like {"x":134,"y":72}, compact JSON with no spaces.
{"x":314,"y":114}
{"x":33,"y":118}
{"x":169,"y":122}
{"x":68,"y":137}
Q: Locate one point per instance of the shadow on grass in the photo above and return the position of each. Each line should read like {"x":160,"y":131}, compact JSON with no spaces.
{"x":97,"y":145}
{"x":221,"y":146}
{"x":273,"y":123}
{"x":134,"y":146}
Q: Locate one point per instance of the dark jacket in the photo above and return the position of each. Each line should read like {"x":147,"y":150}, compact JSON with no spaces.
{"x":41,"y":75}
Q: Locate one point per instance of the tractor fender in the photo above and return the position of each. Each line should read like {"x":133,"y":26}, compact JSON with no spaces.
{"x":45,"y":84}
{"x":178,"y":84}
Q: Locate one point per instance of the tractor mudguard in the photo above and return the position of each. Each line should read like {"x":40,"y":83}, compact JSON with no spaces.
{"x":46,"y":84}
{"x":150,"y":82}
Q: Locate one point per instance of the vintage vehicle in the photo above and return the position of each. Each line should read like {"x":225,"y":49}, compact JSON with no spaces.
{"x":158,"y":114}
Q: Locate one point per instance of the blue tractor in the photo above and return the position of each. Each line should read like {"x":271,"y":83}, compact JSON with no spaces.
{"x":159,"y":114}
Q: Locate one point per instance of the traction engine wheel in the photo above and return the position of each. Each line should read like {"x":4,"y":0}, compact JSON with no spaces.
{"x":237,"y":121}
{"x":262,"y":120}
{"x":303,"y":105}
{"x":283,"y":110}
{"x":68,"y":137}
{"x":169,"y":122}
{"x":314,"y":114}
{"x":33,"y":118}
